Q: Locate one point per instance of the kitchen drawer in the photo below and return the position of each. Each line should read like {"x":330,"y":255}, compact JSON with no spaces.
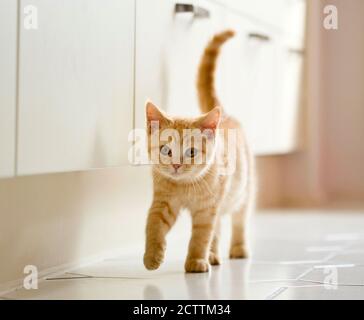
{"x":257,"y":73}
{"x":251,"y":64}
{"x":168,"y":51}
{"x":76,"y":85}
{"x":288,"y":115}
{"x":8,"y":49}
{"x":294,"y":21}
{"x":264,"y":85}
{"x":287,"y":16}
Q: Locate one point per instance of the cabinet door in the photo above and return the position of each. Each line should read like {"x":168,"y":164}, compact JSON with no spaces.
{"x":169,"y":46}
{"x":252,"y":91}
{"x":264,"y":73}
{"x":76,"y":85}
{"x":8,"y":48}
{"x":286,"y":16}
{"x":288,"y":116}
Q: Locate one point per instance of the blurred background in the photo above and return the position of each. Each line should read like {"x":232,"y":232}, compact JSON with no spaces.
{"x":74,"y":78}
{"x":328,"y":171}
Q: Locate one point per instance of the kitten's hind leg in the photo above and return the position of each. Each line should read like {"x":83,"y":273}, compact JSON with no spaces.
{"x":214,"y":257}
{"x":238,"y":246}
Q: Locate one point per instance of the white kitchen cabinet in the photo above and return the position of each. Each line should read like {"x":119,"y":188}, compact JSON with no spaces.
{"x":168,"y":50}
{"x":288,"y":117}
{"x":264,"y":11}
{"x":76,"y":85}
{"x":264,"y":72}
{"x":285,"y":16}
{"x":8,"y":49}
{"x":251,"y":70}
{"x":258,"y":72}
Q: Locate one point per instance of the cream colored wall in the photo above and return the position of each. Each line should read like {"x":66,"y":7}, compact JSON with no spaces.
{"x":295,"y":179}
{"x":329,"y":167}
{"x":343,"y":98}
{"x":58,"y":219}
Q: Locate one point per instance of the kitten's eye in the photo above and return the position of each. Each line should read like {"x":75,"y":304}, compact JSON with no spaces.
{"x":191,"y":152}
{"x":166,"y":151}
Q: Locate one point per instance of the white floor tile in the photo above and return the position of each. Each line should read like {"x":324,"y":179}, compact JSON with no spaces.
{"x":282,"y":250}
{"x":286,"y":246}
{"x":322,"y":293}
{"x":337,"y":275}
{"x":348,"y":258}
{"x":220,"y":283}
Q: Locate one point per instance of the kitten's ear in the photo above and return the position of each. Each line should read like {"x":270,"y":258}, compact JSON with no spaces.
{"x":156,"y":118}
{"x":153,"y":113}
{"x":211,"y":120}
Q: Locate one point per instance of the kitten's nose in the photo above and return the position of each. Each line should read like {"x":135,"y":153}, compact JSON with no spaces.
{"x":176,"y":166}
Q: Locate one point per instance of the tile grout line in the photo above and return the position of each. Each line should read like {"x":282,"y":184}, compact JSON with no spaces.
{"x":60,"y":270}
{"x":276,"y":293}
{"x":280,"y":290}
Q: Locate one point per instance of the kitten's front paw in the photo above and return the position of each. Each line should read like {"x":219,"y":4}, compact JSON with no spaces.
{"x":238,"y":252}
{"x":214,"y":259}
{"x":152,"y":260}
{"x":197,"y":265}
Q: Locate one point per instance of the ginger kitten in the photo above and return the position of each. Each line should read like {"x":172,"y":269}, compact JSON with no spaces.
{"x":188,"y":172}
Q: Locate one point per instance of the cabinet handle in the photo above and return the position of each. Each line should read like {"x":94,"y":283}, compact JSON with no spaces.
{"x":259,"y":36}
{"x":297,"y":51}
{"x":198,"y":12}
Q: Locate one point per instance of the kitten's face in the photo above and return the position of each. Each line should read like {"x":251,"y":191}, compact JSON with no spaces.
{"x":185,"y":155}
{"x":181,"y":149}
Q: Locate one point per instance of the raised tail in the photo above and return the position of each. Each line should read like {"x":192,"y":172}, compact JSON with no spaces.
{"x":206,"y":72}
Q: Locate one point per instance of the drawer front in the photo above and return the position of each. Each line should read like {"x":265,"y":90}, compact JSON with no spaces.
{"x":264,"y":76}
{"x":287,"y":16}
{"x":76,"y":85}
{"x":258,"y":73}
{"x":289,"y":119}
{"x":252,"y":93}
{"x":168,"y":51}
{"x":8,"y":48}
